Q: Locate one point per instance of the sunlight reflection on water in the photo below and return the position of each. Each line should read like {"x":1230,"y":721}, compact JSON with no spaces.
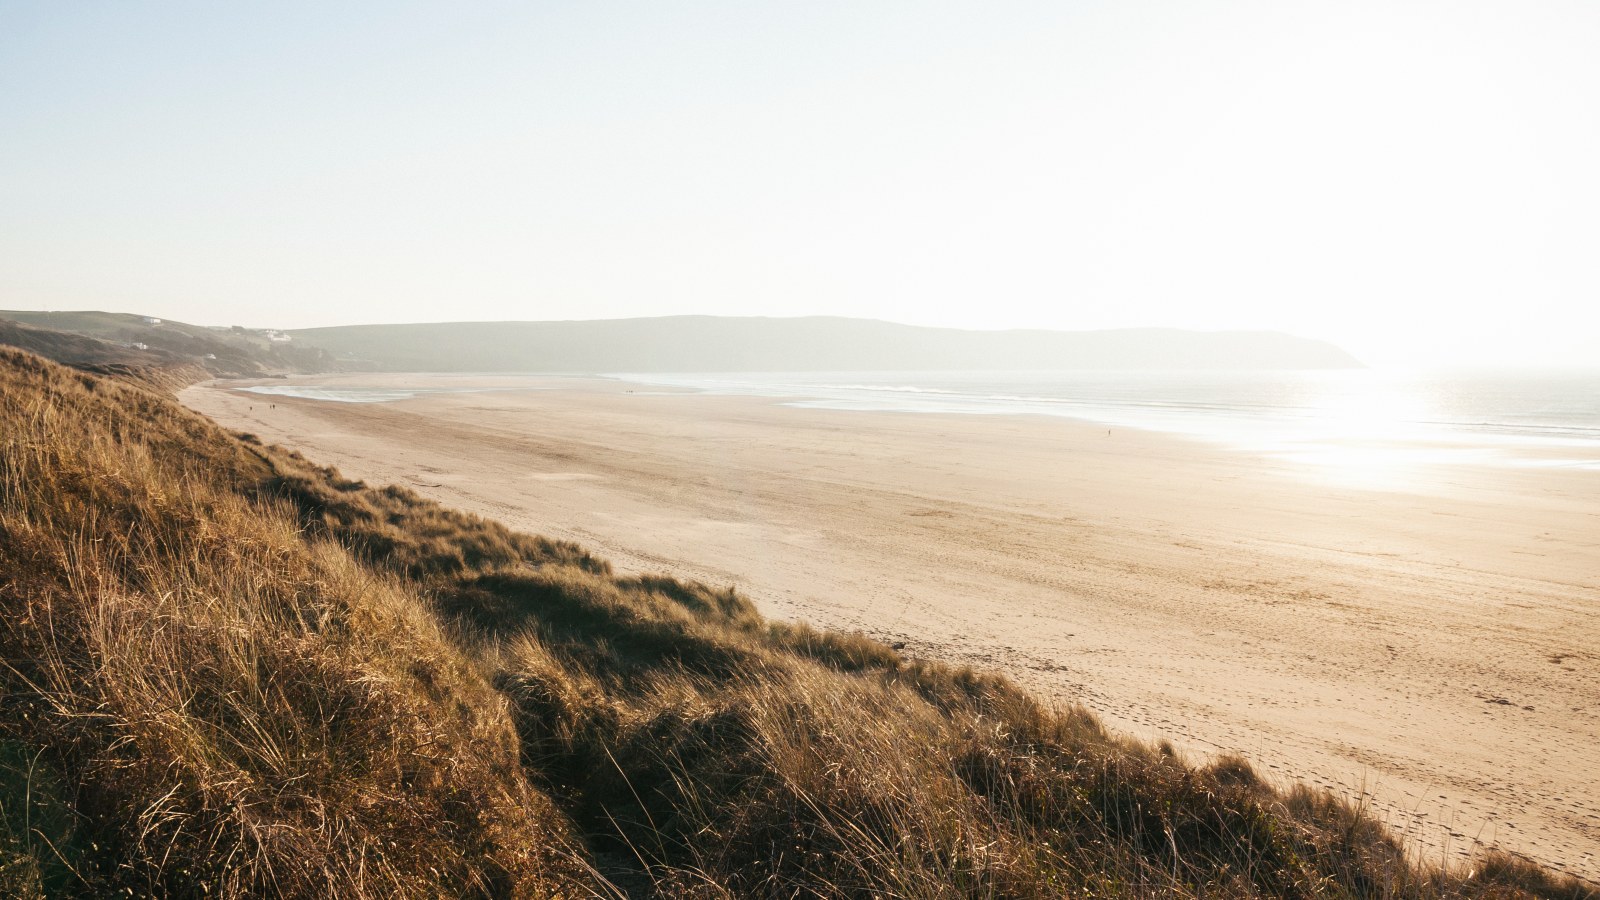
{"x":1362,"y":427}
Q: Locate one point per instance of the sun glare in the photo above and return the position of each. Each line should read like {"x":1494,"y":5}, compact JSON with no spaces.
{"x":1372,"y":430}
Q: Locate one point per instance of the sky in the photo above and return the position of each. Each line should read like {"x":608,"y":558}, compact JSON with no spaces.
{"x":1418,"y":182}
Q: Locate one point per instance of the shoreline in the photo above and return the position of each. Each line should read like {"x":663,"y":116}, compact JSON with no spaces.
{"x":1359,"y":639}
{"x":1337,"y":433}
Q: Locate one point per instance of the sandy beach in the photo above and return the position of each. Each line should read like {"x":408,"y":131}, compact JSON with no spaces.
{"x":1430,"y":643}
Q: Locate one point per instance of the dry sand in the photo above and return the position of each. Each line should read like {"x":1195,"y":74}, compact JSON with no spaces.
{"x":1432,"y":645}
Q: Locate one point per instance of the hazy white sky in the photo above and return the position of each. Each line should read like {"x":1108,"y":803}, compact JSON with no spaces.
{"x":1408,"y":179}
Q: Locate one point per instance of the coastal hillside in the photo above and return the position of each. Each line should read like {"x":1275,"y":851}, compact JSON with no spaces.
{"x":728,"y":344}
{"x":127,"y":340}
{"x":228,"y":671}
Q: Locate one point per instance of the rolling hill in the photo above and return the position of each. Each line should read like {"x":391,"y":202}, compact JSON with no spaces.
{"x":90,"y":339}
{"x":713,"y":343}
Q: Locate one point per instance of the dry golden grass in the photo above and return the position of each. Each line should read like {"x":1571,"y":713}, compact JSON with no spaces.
{"x":735,"y":759}
{"x":230,"y":672}
{"x":223,"y":705}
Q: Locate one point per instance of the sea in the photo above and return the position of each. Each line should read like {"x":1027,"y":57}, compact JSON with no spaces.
{"x":1339,"y":418}
{"x":1546,"y":418}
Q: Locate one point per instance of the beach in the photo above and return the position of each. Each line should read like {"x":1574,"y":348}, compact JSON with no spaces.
{"x":1426,"y":642}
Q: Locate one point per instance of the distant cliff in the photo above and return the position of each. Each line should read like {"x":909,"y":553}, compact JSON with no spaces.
{"x":669,"y":344}
{"x":119,"y":342}
{"x":711,"y":343}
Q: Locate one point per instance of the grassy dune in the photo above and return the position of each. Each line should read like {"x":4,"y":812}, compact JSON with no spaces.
{"x":230,"y":672}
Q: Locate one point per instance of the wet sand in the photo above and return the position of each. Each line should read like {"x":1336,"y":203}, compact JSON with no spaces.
{"x":1426,"y":639}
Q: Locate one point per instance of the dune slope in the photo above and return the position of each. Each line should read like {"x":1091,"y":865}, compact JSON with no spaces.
{"x":228,"y":671}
